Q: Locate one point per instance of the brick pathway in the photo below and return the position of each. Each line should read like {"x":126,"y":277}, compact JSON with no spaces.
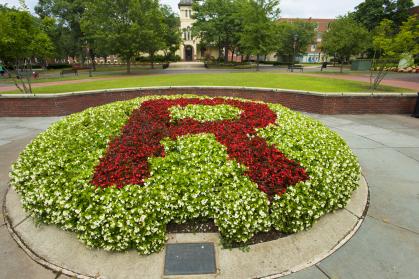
{"x":390,"y":82}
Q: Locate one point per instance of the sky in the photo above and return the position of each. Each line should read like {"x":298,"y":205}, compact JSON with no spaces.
{"x":289,"y":8}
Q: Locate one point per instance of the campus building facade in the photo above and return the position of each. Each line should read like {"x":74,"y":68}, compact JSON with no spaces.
{"x":190,"y":49}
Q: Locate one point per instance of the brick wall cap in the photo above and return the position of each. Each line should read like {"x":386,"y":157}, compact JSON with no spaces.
{"x":278,"y":90}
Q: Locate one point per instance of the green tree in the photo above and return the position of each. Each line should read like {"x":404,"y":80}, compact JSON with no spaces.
{"x":68,"y":36}
{"x":297,"y":34}
{"x":258,"y":29}
{"x":344,"y":38}
{"x":390,"y":46}
{"x":154,"y":30}
{"x":21,"y":41}
{"x":171,"y":33}
{"x":217,"y":24}
{"x":371,"y":12}
{"x":127,"y":26}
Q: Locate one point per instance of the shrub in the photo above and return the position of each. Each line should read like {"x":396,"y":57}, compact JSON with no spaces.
{"x":58,"y":66}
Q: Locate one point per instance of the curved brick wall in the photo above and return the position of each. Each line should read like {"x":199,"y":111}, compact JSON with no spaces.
{"x":327,"y":103}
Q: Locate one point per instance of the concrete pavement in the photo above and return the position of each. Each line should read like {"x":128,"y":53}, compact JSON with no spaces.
{"x":387,"y":244}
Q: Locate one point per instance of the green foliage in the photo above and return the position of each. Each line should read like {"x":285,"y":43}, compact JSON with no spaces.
{"x":258,"y":34}
{"x":21,"y":37}
{"x":195,"y":179}
{"x":66,"y":34}
{"x":171,"y":33}
{"x":345,"y":37}
{"x":217,"y":23}
{"x":132,"y":27}
{"x":286,"y":33}
{"x":393,"y":45}
{"x":371,"y":12}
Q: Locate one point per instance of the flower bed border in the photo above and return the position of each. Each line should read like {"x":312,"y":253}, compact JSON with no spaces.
{"x":17,"y":105}
{"x":360,"y":201}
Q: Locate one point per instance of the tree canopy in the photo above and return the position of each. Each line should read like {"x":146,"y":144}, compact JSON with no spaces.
{"x":258,"y":34}
{"x":66,"y":34}
{"x":217,"y":24}
{"x":236,"y":25}
{"x":345,"y":37}
{"x":371,"y":12}
{"x":289,"y":34}
{"x":22,"y":40}
{"x":22,"y":37}
{"x":129,"y":27}
{"x":393,"y":45}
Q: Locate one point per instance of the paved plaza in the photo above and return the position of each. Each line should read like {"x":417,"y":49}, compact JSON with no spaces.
{"x":386,"y":245}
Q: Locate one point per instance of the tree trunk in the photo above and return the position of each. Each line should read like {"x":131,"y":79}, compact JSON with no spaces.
{"x":232,"y":55}
{"x":129,"y":65}
{"x":257,"y":62}
{"x":29,"y":77}
{"x":152,"y":60}
{"x":92,"y":56}
{"x":225,"y":55}
{"x":82,"y":60}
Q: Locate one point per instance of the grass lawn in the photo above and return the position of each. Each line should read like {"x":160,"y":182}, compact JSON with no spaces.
{"x":251,"y":79}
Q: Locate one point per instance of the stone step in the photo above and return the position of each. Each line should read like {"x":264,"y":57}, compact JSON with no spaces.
{"x":186,"y":65}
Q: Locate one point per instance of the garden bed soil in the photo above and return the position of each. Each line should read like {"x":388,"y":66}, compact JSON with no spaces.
{"x":199,"y":226}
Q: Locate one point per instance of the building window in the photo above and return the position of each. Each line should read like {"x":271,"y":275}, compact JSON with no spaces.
{"x":319,"y":37}
{"x":313,"y":48}
{"x":187,"y":34}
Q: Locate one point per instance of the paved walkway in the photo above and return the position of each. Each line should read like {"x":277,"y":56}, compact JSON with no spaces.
{"x":387,"y":244}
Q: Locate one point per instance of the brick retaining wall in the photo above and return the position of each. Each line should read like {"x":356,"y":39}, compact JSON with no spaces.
{"x":327,"y":103}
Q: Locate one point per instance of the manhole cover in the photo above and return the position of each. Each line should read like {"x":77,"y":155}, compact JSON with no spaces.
{"x":189,"y":258}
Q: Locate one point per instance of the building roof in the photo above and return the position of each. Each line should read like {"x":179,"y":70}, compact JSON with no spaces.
{"x":185,"y":3}
{"x":414,"y":10}
{"x":323,"y":23}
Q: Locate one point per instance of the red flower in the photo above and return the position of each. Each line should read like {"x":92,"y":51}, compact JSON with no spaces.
{"x":126,"y":157}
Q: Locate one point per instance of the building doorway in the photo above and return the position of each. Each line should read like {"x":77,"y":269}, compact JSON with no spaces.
{"x":188,"y":53}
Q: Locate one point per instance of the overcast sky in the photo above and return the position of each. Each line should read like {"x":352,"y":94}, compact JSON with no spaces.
{"x":289,"y":8}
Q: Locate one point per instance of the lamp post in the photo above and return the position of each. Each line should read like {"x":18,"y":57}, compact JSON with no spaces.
{"x":416,"y":113}
{"x":294,"y":47}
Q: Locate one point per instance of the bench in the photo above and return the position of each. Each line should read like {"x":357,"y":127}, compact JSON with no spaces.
{"x":27,"y":73}
{"x":69,"y":71}
{"x":291,"y":68}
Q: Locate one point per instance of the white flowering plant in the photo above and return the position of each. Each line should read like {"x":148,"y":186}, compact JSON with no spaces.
{"x":192,"y":174}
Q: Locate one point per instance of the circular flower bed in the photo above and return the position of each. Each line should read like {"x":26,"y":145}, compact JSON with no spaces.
{"x":118,"y":174}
